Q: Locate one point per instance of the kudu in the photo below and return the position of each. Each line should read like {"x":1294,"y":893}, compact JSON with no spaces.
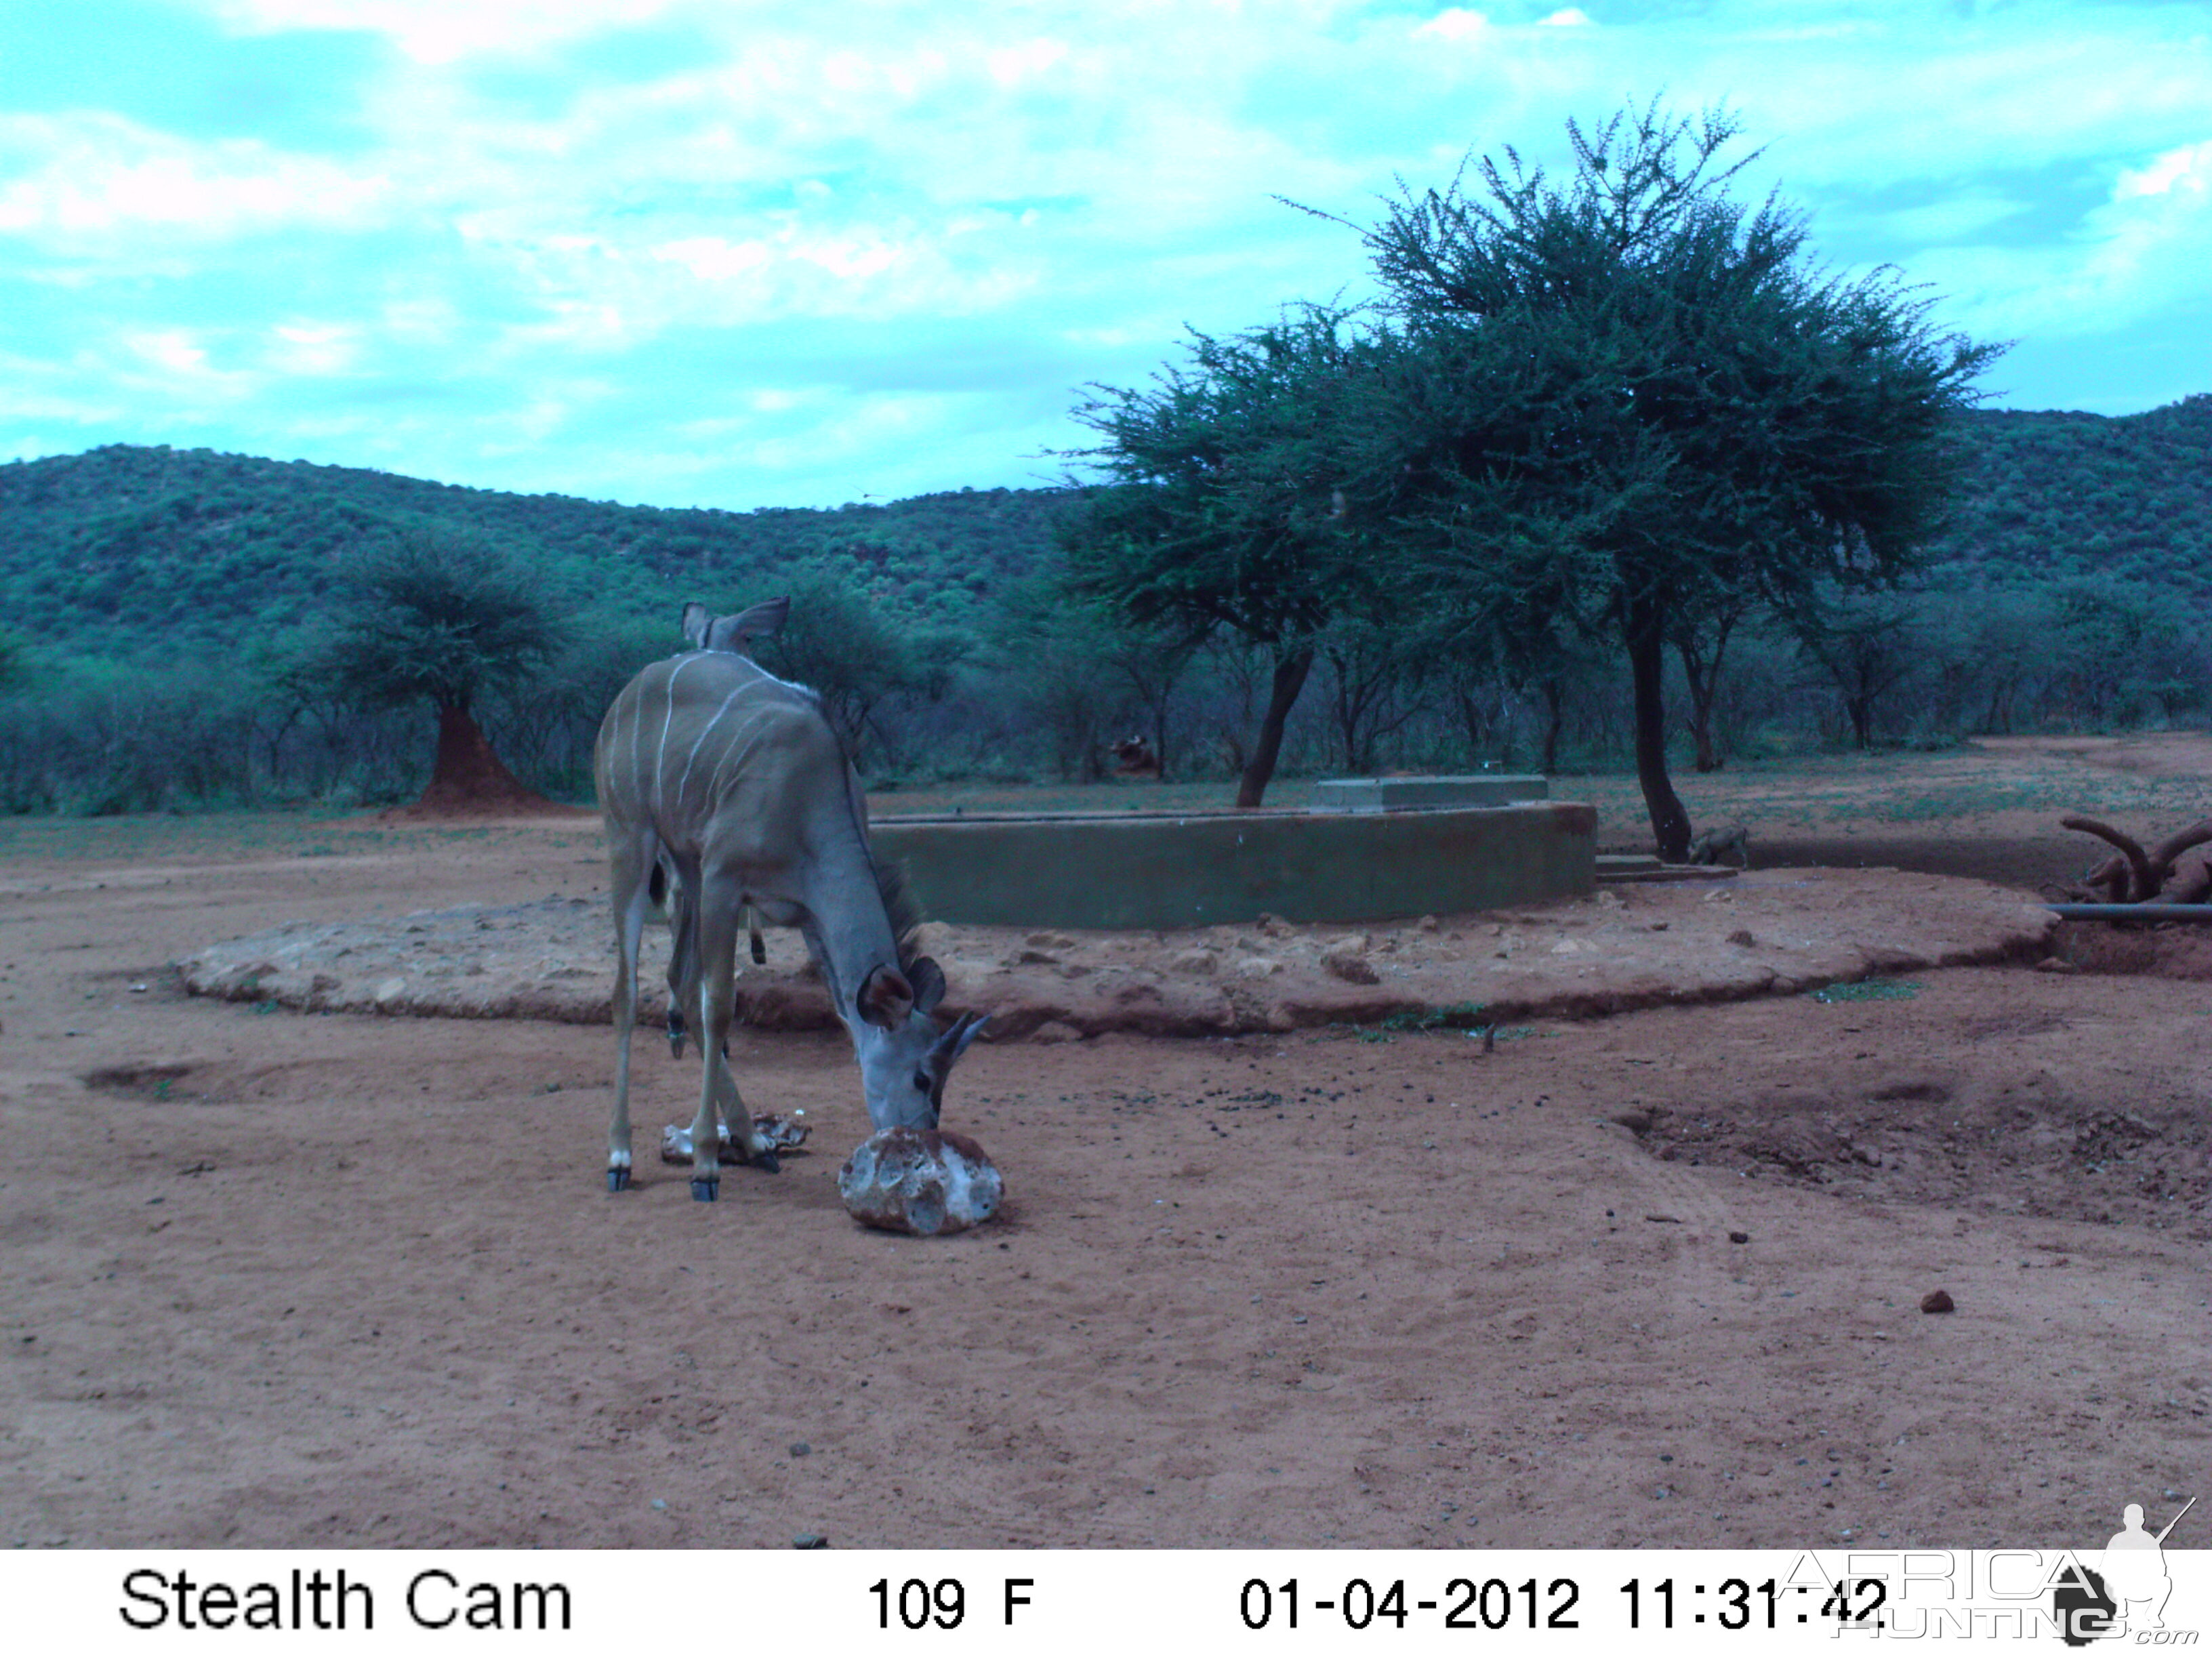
{"x":708,"y":632}
{"x":736,"y":780}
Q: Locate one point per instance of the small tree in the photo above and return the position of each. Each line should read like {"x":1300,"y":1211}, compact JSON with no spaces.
{"x":1053,"y":651}
{"x":858,"y":661}
{"x":1630,"y":399}
{"x":431,"y":618}
{"x":1701,"y":643}
{"x":1226,"y":509}
{"x":1866,"y":647}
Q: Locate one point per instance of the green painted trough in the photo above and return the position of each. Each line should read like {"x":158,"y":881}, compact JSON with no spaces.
{"x":1143,"y":870}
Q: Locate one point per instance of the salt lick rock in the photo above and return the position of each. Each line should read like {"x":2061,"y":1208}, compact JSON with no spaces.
{"x":924,"y":1181}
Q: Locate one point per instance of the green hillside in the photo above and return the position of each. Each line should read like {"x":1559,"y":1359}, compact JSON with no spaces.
{"x":126,"y":548}
{"x":2055,"y":497}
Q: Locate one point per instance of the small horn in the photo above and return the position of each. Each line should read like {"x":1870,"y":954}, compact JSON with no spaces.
{"x":954,"y":1043}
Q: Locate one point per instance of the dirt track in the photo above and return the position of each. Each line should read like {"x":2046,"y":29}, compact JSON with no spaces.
{"x":291,"y":1279}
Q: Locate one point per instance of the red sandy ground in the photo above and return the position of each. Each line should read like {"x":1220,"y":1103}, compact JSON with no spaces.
{"x":279,"y":1280}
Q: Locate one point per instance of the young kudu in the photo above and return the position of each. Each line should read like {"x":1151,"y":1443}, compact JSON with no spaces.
{"x":737,"y":780}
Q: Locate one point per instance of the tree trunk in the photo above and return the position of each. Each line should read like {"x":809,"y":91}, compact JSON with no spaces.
{"x":1702,"y":675}
{"x":1555,"y":719}
{"x":469,"y":778}
{"x":1861,"y":710}
{"x":1647,"y":664}
{"x":1290,"y":679}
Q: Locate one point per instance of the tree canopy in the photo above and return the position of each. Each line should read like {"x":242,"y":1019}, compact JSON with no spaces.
{"x":1622,"y":408}
{"x":1629,"y":401}
{"x":434,"y":617}
{"x":443,"y":619}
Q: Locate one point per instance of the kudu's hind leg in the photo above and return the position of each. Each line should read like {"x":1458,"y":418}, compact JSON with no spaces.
{"x":683,"y":960}
{"x":682,"y":905}
{"x":631,"y":868}
{"x":717,"y":1090}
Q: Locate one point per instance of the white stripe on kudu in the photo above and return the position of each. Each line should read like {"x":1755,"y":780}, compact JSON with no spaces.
{"x":777,"y":828}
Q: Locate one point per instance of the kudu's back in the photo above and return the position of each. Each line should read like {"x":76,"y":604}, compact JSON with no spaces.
{"x":710,"y":742}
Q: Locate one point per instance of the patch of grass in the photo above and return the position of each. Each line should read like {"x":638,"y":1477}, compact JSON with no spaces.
{"x":1464,"y":1016}
{"x":1869,"y":990}
{"x":1455,"y":1014}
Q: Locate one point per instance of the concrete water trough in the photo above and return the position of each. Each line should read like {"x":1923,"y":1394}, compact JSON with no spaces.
{"x":1167,"y":870}
{"x":1397,"y":794}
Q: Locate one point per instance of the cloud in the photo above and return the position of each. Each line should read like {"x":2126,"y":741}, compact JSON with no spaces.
{"x":2187,"y":170}
{"x":628,"y":246}
{"x":95,"y":182}
{"x":442,"y":32}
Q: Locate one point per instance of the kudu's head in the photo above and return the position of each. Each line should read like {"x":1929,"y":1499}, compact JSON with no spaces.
{"x":904,"y":1057}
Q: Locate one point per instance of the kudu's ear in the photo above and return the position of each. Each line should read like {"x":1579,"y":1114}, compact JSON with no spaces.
{"x":928,"y":980}
{"x":764,"y":620}
{"x":954,"y":1043}
{"x":697,"y":619}
{"x":886,"y":998}
{"x":739,"y":632}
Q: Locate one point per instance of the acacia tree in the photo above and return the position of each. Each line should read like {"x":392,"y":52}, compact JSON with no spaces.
{"x":1630,"y":402}
{"x":436,"y":618}
{"x":1225,"y":510}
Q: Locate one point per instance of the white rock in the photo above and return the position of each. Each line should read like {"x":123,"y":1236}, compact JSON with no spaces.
{"x":925,"y":1181}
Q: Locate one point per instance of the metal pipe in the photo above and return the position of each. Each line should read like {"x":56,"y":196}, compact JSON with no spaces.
{"x":2132,"y":912}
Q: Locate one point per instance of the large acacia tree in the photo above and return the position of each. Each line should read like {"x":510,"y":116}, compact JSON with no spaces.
{"x":1628,"y":404}
{"x":1226,"y":511}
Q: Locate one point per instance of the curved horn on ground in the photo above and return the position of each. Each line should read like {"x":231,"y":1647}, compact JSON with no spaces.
{"x":2142,"y":885}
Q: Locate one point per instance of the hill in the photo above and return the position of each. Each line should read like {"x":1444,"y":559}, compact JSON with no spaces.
{"x":124,"y":550}
{"x":2054,"y":497}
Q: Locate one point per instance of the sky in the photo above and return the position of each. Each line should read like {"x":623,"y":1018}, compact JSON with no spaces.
{"x":747,"y":255}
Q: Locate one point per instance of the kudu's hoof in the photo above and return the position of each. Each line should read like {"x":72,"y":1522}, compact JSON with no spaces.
{"x":767,"y":1162}
{"x":617,"y":1181}
{"x":703,"y":1191}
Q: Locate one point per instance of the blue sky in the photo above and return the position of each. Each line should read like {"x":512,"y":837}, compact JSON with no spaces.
{"x":740,"y":255}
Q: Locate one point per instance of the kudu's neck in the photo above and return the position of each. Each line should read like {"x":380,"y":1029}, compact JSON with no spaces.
{"x":850,"y":931}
